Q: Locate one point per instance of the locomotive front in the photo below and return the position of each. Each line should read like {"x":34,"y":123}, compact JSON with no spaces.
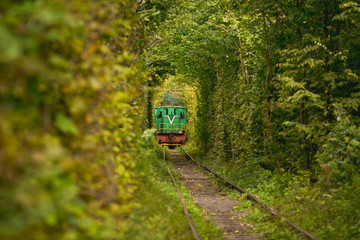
{"x":170,"y":123}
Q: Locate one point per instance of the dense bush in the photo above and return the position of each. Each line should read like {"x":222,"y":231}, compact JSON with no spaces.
{"x":68,"y":120}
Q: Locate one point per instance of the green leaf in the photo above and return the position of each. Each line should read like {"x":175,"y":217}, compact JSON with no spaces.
{"x":65,"y":124}
{"x":9,"y":45}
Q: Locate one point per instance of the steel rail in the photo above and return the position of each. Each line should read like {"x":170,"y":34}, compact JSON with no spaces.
{"x":255,"y":199}
{"x":185,"y":210}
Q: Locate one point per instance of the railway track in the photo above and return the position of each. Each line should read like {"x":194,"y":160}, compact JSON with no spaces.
{"x":253,"y":198}
{"x":183,"y":204}
{"x":221,"y":209}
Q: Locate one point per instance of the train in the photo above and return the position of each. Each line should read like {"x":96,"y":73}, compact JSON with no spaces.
{"x":170,"y":124}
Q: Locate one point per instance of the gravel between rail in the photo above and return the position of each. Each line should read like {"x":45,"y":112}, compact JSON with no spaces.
{"x":222,"y":210}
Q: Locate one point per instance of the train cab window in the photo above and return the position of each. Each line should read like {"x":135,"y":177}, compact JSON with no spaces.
{"x":167,"y":112}
{"x":182,"y":115}
{"x":159,"y":115}
{"x":174,"y":111}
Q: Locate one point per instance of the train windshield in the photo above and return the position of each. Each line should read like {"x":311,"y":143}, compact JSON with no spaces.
{"x":182,"y":115}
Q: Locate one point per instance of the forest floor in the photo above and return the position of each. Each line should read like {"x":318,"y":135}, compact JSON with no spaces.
{"x":221,"y":209}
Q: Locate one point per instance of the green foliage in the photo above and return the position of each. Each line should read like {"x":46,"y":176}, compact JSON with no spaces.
{"x":277,"y":91}
{"x":340,"y":153}
{"x":68,"y":118}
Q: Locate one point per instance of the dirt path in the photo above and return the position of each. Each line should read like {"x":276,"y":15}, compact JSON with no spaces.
{"x":221,"y":209}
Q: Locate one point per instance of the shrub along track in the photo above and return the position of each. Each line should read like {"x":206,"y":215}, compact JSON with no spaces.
{"x":221,"y":209}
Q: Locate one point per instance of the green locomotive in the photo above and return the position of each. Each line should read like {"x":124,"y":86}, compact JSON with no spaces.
{"x":170,"y":123}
